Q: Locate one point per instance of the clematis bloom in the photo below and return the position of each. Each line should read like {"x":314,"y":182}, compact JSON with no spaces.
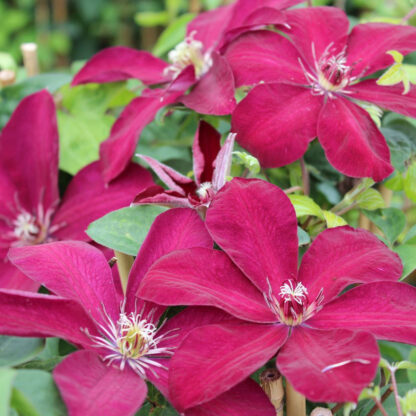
{"x":317,"y":77}
{"x":31,"y":211}
{"x":326,"y":345}
{"x":211,"y":167}
{"x":120,"y":342}
{"x":196,"y":62}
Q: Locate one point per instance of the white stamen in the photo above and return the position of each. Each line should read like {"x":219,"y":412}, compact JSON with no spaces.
{"x":342,"y":363}
{"x":132,"y":340}
{"x":25,"y":227}
{"x":203,"y":189}
{"x":298,"y":293}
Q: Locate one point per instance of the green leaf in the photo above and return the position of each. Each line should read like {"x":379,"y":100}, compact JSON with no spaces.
{"x":125,"y":229}
{"x":333,"y":220}
{"x":407,"y":253}
{"x":396,"y":183}
{"x":303,"y":237}
{"x":412,"y":373}
{"x":410,"y":182}
{"x":400,"y":147}
{"x":172,"y":35}
{"x":410,"y":237}
{"x":248,"y":161}
{"x":370,"y":199}
{"x":396,"y":74}
{"x":18,"y":350}
{"x":36,"y":392}
{"x":306,"y":206}
{"x":150,"y":19}
{"x":391,"y":221}
{"x":7,"y":61}
{"x":7,"y":376}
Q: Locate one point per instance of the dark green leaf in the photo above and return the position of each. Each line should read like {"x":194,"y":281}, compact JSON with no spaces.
{"x":391,"y":222}
{"x":18,"y":350}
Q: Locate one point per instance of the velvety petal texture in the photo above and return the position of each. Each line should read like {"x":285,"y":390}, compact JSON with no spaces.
{"x":217,"y":357}
{"x":120,"y":63}
{"x":90,"y":387}
{"x":356,"y":256}
{"x":267,"y":122}
{"x":255,"y":224}
{"x":330,"y":366}
{"x":352,"y":142}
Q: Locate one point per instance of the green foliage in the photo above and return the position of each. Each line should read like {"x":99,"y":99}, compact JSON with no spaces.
{"x":7,"y":376}
{"x":391,"y":222}
{"x":125,"y":229}
{"x":17,"y":350}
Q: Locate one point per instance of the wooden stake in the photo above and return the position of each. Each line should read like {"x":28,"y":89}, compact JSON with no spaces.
{"x":30,"y":58}
{"x":124,"y":263}
{"x":295,"y":402}
{"x":7,"y":77}
{"x":271,"y":383}
{"x":194,"y":6}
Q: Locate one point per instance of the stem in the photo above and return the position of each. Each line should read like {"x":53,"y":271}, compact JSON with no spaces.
{"x":383,"y":398}
{"x":309,"y":3}
{"x":194,"y":6}
{"x":337,"y":407}
{"x":124,"y":263}
{"x":396,"y":392}
{"x":346,"y":209}
{"x":295,"y":402}
{"x":380,"y":407}
{"x":305,"y":177}
{"x":292,"y":189}
{"x":408,"y":16}
{"x":271,"y":383}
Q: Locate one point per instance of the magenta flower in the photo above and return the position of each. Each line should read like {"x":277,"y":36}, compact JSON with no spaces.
{"x":325,"y":344}
{"x":211,"y":167}
{"x":31,"y":211}
{"x":317,"y":79}
{"x":121,"y":343}
{"x":196,"y":62}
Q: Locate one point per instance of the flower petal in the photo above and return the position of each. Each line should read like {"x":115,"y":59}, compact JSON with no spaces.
{"x":223,"y":162}
{"x":87,"y":198}
{"x":264,"y":56}
{"x":389,"y":97}
{"x":155,"y":194}
{"x":36,"y":315}
{"x":245,"y":399}
{"x":329,"y":366}
{"x":369,"y":43}
{"x":267,"y":122}
{"x":12,"y":278}
{"x":255,"y":224}
{"x":90,"y":388}
{"x":119,"y":63}
{"x":356,"y":256}
{"x":206,"y":146}
{"x":176,"y":229}
{"x":73,"y":270}
{"x":32,"y":141}
{"x":314,"y":29}
{"x":381,"y":308}
{"x":352,"y":142}
{"x":200,"y":276}
{"x":218,"y":357}
{"x":214,"y":92}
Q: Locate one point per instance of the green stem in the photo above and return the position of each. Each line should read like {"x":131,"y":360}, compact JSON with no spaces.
{"x":396,"y":392}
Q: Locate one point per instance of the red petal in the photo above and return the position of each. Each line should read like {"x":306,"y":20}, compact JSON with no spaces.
{"x":264,"y":56}
{"x":87,"y":198}
{"x":91,"y":388}
{"x":255,"y":224}
{"x":206,"y":146}
{"x":369,"y":42}
{"x":381,"y":308}
{"x":35,"y":315}
{"x":267,"y":122}
{"x":120,"y":63}
{"x":214,"y":358}
{"x":390,"y":97}
{"x":32,"y":142}
{"x":214,"y":92}
{"x":315,"y":29}
{"x":357,"y":256}
{"x":157,"y":195}
{"x":73,"y":270}
{"x":352,"y":142}
{"x":12,"y":278}
{"x":329,"y":366}
{"x":245,"y":399}
{"x":202,"y":276}
{"x":175,"y":229}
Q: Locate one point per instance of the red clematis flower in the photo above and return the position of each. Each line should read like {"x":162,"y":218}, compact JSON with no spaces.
{"x":326,"y":344}
{"x":31,"y":211}
{"x":312,"y":87}
{"x":211,"y":166}
{"x":196,"y":62}
{"x":120,"y":342}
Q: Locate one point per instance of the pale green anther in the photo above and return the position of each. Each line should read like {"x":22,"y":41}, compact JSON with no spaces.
{"x":396,"y":73}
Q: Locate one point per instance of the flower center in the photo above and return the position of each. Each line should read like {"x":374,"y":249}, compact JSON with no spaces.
{"x":331,"y":74}
{"x":189,"y":52}
{"x":205,"y":192}
{"x":132,"y":340}
{"x":292,"y":306}
{"x":26,"y":227}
